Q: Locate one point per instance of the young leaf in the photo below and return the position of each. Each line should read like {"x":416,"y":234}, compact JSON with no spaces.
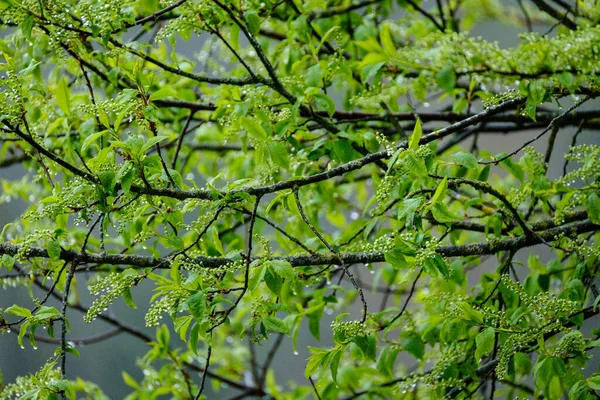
{"x":416,"y":135}
{"x":466,"y":159}
{"x":18,"y":311}
{"x":128,"y":297}
{"x":196,"y":305}
{"x":252,"y":21}
{"x":386,"y":40}
{"x":440,"y":192}
{"x":335,"y":362}
{"x":415,"y":346}
{"x":446,"y":79}
{"x":279,"y":154}
{"x":484,"y":342}
{"x":152,"y":142}
{"x":91,"y":139}
{"x":276,"y":325}
{"x":283,"y":269}
{"x":314,"y":76}
{"x":592,"y":207}
{"x":163,"y":93}
{"x":442,"y":214}
{"x":314,"y":361}
{"x":254,"y":128}
{"x":63,"y":95}
{"x":512,"y":167}
{"x":325,"y":102}
{"x":54,"y":249}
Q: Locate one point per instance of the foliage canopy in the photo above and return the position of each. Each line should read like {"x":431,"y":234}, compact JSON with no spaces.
{"x":255,"y":182}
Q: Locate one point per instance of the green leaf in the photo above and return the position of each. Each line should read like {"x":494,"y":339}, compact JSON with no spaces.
{"x":18,"y":311}
{"x":277,"y":199}
{"x":252,"y":21}
{"x":546,"y":369}
{"x":63,"y":96}
{"x":325,"y":102}
{"x":253,"y":128}
{"x":484,"y":343}
{"x":163,"y":93}
{"x":314,"y":76}
{"x":152,"y":142}
{"x":512,"y":167}
{"x":314,"y":324}
{"x":581,"y":391}
{"x":314,"y":361}
{"x":386,"y":40}
{"x":416,"y":135}
{"x":107,"y":178}
{"x":73,"y":350}
{"x":32,"y":66}
{"x":276,"y":325}
{"x":234,"y":36}
{"x":567,"y":80}
{"x":392,"y":161}
{"x":91,"y":139}
{"x":471,"y":314}
{"x":46,"y":312}
{"x":367,"y":346}
{"x":256,"y":276}
{"x":128,"y":297}
{"x":594,"y":382}
{"x":592,"y":207}
{"x":409,"y":206}
{"x":196,"y":305}
{"x":54,"y":249}
{"x":283,"y":269}
{"x":484,"y":174}
{"x":522,"y":364}
{"x":27,"y":26}
{"x":440,"y":192}
{"x":335,"y":362}
{"x":343,"y":151}
{"x":415,"y":346}
{"x":128,"y":379}
{"x":438,"y":262}
{"x":300,"y":26}
{"x":414,"y":164}
{"x":387,"y":360}
{"x":274,"y":282}
{"x":372,"y":70}
{"x":442,"y":214}
{"x":459,"y":105}
{"x":446,"y":79}
{"x":8,"y":261}
{"x":279,"y":154}
{"x":127,"y":180}
{"x":465,"y":159}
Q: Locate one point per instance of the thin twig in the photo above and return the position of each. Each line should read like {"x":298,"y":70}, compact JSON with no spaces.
{"x":410,"y":294}
{"x":331,"y":249}
{"x":204,"y":373}
{"x":317,"y":395}
{"x":548,"y":128}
